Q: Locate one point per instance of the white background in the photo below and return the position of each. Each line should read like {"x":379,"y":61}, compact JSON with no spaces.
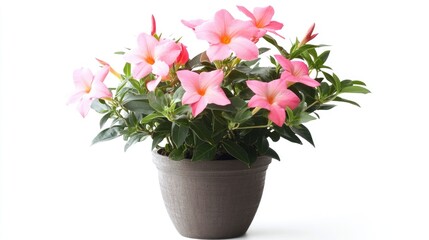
{"x":367,"y":178}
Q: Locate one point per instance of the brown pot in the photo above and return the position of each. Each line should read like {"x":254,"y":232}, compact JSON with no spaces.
{"x":211,"y":199}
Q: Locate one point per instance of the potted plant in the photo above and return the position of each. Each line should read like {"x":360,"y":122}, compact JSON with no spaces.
{"x":211,"y":117}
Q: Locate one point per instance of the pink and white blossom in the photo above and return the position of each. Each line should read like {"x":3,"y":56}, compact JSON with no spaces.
{"x":226,"y":35}
{"x":261,"y":18}
{"x":273,"y":96}
{"x":202,"y":89}
{"x":152,"y":56}
{"x":295,"y":71}
{"x":88,"y":88}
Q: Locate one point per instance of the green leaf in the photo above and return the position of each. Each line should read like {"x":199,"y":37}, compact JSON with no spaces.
{"x":238,"y":102}
{"x":104,"y":119}
{"x":177,"y":153}
{"x":108,"y":134}
{"x":157,"y":102}
{"x":202,"y":130}
{"x":243,"y":115}
{"x":179,"y":134}
{"x":306,"y":117}
{"x":156,"y":139}
{"x":151,"y":117}
{"x":334,"y":80}
{"x":262,"y":50}
{"x":287,"y":133}
{"x":182,"y":109}
{"x":127,"y":70}
{"x":355,"y":89}
{"x":139,"y":106}
{"x":321,"y":59}
{"x":178,"y":94}
{"x":136,"y":85}
{"x":204,"y":151}
{"x":272,"y":41}
{"x":302,"y":131}
{"x":262,"y":145}
{"x":138,"y":137}
{"x":100,"y":106}
{"x":227,"y":108}
{"x":236,"y":151}
{"x":356,"y":82}
{"x":326,"y":106}
{"x":339,"y":99}
{"x":271,"y":153}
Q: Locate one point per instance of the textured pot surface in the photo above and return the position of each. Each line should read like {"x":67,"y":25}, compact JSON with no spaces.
{"x":211,"y":199}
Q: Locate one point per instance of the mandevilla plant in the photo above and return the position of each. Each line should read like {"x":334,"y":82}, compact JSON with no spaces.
{"x":223,"y":102}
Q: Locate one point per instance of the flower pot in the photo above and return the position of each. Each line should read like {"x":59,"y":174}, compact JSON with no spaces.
{"x":211,"y":199}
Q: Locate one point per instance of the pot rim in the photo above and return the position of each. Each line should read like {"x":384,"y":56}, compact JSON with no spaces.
{"x":164,"y":163}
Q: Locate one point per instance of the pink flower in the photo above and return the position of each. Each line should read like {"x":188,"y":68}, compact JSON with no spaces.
{"x":273,"y":96}
{"x":183,"y":56}
{"x":226,"y":34}
{"x":295,"y":71}
{"x":261,"y":18}
{"x":202,"y":89}
{"x":88,"y":88}
{"x":152,"y":56}
{"x":309,"y":36}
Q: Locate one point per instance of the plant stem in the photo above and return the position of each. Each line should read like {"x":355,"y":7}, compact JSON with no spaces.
{"x":251,"y":127}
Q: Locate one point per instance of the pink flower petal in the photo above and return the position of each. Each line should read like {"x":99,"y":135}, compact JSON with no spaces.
{"x":209,"y":79}
{"x":190,"y":97}
{"x":263,"y":15}
{"x":160,"y":68}
{"x":292,"y":100}
{"x":258,"y":87}
{"x":134,"y":56}
{"x":193,"y":23}
{"x":277,"y":115}
{"x":84,"y":105}
{"x":216,"y":96}
{"x":218,"y":52}
{"x":244,"y":48}
{"x":284,"y":62}
{"x":76,"y":97}
{"x":274,"y":25}
{"x":242,"y":29}
{"x":151,"y":85}
{"x":147,"y":43}
{"x":82,"y":78}
{"x":141,"y":70}
{"x":259,"y":101}
{"x":299,"y":68}
{"x":167,"y":51}
{"x":198,"y":107}
{"x":247,"y":13}
{"x":207,"y":31}
{"x":188,"y":79}
{"x":306,"y":80}
{"x":99,"y":90}
{"x":101,"y":75}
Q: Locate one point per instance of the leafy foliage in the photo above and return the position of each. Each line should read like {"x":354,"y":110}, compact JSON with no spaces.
{"x":234,"y":130}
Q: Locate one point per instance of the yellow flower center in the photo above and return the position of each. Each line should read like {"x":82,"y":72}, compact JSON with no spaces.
{"x":225,"y":39}
{"x":202,"y":91}
{"x":150,"y":60}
